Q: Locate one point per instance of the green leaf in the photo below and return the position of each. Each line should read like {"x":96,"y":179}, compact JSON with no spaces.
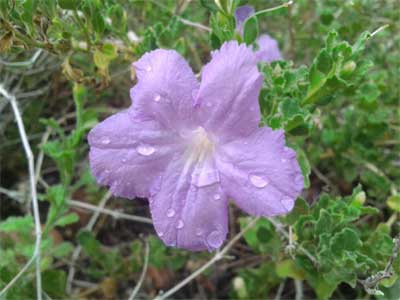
{"x":262,"y":237}
{"x":62,"y":250}
{"x":80,"y":94}
{"x":56,"y":195}
{"x":324,"y":62}
{"x":119,"y":18}
{"x":102,"y":57}
{"x":304,"y":166}
{"x":17,"y":224}
{"x":250,"y":30}
{"x":210,"y":5}
{"x":67,"y":219}
{"x":345,"y":240}
{"x":54,"y":283}
{"x":288,"y":268}
{"x":90,"y":245}
{"x":69,"y":4}
{"x":29,"y":9}
{"x":324,"y":223}
{"x":98,"y":22}
{"x":394,"y":202}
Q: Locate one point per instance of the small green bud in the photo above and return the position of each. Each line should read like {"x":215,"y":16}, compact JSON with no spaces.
{"x":360,"y":197}
{"x":348,"y":68}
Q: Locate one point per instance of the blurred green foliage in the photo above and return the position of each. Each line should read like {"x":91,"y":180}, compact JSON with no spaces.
{"x":336,"y":95}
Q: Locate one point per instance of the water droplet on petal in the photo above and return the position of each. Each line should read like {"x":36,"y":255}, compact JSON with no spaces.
{"x":148,"y":68}
{"x":105,"y":141}
{"x":145,"y":150}
{"x":160,"y":234}
{"x":157,"y":98}
{"x":180,"y":224}
{"x":287,"y":202}
{"x":124,"y":159}
{"x":205,"y":177}
{"x":199,"y":232}
{"x":298,"y":180}
{"x":215,"y":239}
{"x":283,"y":160}
{"x":217,"y":196}
{"x":258,"y":181}
{"x":171,"y":244}
{"x":170,"y":212}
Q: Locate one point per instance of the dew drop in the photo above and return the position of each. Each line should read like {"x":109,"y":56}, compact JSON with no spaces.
{"x":105,"y":141}
{"x":258,"y":182}
{"x":160,"y":234}
{"x":180,"y":224}
{"x":215,"y":239}
{"x":170,"y":212}
{"x":199,"y":232}
{"x":171,"y":243}
{"x":145,"y":150}
{"x":287,"y":202}
{"x":157,"y":98}
{"x":298,"y":180}
{"x":217,"y":196}
{"x":148,"y":68}
{"x":124,"y":160}
{"x":205,"y":177}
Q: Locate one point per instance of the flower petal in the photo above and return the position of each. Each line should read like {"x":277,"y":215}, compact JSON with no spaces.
{"x":268,"y":49}
{"x":260,"y":173}
{"x":228,"y":95}
{"x":164,"y":90}
{"x":189,"y":216}
{"x":241,"y":14}
{"x":128,"y":156}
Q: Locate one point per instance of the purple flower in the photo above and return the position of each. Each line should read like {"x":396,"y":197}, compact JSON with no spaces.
{"x":191,"y":147}
{"x":268,"y":48}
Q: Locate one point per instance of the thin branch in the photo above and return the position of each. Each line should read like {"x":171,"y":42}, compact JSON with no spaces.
{"x":26,"y":63}
{"x":371,"y":283}
{"x":379,"y":29}
{"x":77,"y":251}
{"x":280,"y":290}
{"x":279,"y":227}
{"x":112,"y":213}
{"x":143,"y":274}
{"x":284,"y":5}
{"x":194,"y":24}
{"x":17,"y":196}
{"x":31,"y":167}
{"x":298,"y":285}
{"x":218,"y":256}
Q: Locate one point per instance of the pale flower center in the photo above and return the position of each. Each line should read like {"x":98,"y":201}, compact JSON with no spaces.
{"x":200,"y":144}
{"x":199,"y":155}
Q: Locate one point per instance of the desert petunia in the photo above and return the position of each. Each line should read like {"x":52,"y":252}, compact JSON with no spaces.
{"x":268,"y":48}
{"x":189,"y":147}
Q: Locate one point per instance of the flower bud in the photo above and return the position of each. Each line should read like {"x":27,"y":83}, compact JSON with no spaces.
{"x":348,"y":68}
